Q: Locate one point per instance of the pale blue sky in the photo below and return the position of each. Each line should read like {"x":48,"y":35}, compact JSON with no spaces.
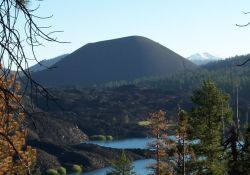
{"x":184,"y":26}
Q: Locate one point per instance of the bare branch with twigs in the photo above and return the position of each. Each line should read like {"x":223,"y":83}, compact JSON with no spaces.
{"x":20,"y":34}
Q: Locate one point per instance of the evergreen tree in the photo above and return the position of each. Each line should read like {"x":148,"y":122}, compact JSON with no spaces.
{"x":207,"y":120}
{"x":246,"y":153}
{"x":161,"y":145}
{"x":231,"y":144}
{"x":242,"y":167}
{"x":122,"y":166}
{"x":183,"y":150}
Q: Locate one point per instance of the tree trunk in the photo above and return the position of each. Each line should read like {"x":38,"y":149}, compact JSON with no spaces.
{"x":158,"y":154}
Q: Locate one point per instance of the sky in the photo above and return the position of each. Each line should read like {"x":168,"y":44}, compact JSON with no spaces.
{"x":184,"y":26}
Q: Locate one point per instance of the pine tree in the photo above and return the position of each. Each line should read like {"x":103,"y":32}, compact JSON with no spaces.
{"x":183,"y":150}
{"x":122,"y":166}
{"x":246,"y":153}
{"x":161,"y":145}
{"x":206,"y":127}
{"x":15,"y":156}
{"x":242,"y":166}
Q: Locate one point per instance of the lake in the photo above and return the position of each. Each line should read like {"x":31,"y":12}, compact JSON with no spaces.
{"x":140,"y":167}
{"x":130,"y":143}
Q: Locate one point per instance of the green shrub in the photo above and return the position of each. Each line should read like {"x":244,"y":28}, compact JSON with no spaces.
{"x":51,"y":172}
{"x":98,"y":137}
{"x":37,"y":171}
{"x":62,"y":171}
{"x":144,"y":123}
{"x":125,"y":119}
{"x":109,"y":173}
{"x":77,"y":169}
{"x":109,"y":137}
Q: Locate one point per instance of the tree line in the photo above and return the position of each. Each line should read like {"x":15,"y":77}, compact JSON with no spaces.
{"x":199,"y":146}
{"x":225,"y":73}
{"x":207,"y":140}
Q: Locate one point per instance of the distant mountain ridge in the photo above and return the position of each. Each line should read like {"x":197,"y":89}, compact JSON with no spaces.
{"x":46,"y":63}
{"x":119,"y":59}
{"x":203,"y":58}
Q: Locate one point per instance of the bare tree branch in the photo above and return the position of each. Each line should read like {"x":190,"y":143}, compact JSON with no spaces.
{"x":245,"y":13}
{"x":245,"y":62}
{"x":19,"y":28}
{"x":243,"y":25}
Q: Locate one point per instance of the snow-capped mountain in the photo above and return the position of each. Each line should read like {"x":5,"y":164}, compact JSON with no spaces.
{"x":203,"y":58}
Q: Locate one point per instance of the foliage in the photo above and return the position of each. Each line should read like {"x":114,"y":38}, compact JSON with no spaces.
{"x":242,"y":165}
{"x":15,"y":156}
{"x":21,"y":35}
{"x":225,"y":73}
{"x":206,"y":126}
{"x":158,"y":126}
{"x":51,"y":172}
{"x":37,"y":171}
{"x":183,"y":149}
{"x":245,"y":161}
{"x":122,"y":166}
{"x":101,"y":137}
{"x":77,"y":168}
{"x":19,"y":28}
{"x":62,"y":171}
{"x":98,"y":137}
{"x":143,"y":123}
{"x":125,"y":119}
{"x":109,"y":137}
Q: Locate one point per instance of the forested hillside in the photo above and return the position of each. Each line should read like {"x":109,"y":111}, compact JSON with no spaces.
{"x":225,"y":73}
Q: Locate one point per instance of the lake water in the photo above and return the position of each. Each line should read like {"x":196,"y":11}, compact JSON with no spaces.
{"x":141,"y":143}
{"x":130,"y":143}
{"x":140,"y":167}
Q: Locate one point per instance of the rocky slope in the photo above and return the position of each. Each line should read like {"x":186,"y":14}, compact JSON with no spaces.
{"x":51,"y":155}
{"x":60,"y":131}
{"x":111,"y":111}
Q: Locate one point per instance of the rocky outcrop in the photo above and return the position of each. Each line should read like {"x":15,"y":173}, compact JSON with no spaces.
{"x":46,"y":160}
{"x":56,"y":130}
